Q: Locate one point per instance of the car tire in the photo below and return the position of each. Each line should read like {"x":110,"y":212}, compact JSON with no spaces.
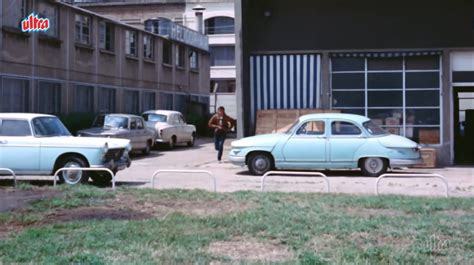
{"x":101,"y":179}
{"x":73,"y":177}
{"x":260,"y":163}
{"x":374,"y":166}
{"x":193,"y":139}
{"x":147,"y":149}
{"x":172,"y":143}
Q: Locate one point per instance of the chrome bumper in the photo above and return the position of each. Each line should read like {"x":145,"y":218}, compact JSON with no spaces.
{"x":405,"y":162}
{"x":237,"y":160}
{"x":121,"y":164}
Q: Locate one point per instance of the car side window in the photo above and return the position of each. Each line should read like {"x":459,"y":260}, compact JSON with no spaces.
{"x":14,"y":128}
{"x":173,"y":119}
{"x":180,"y":120}
{"x":311,"y":128}
{"x":344,"y":128}
{"x":140,"y":125}
{"x":133,"y":124}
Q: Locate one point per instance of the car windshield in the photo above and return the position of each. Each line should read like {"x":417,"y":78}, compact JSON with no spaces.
{"x":293,"y":126}
{"x":49,"y":127}
{"x":155,"y":117}
{"x":111,"y":121}
{"x":373,"y":128}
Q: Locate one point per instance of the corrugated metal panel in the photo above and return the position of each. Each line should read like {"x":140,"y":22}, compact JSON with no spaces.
{"x":284,"y":81}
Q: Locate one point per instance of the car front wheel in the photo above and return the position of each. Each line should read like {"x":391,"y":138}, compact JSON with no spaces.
{"x":73,"y":177}
{"x":374,"y":166}
{"x":193,"y":139}
{"x":260,"y":163}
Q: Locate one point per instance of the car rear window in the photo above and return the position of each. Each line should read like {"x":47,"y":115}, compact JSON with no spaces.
{"x":373,"y":128}
{"x":14,"y":128}
{"x":154,"y":117}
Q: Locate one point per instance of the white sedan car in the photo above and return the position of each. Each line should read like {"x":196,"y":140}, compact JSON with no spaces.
{"x":170,"y":127}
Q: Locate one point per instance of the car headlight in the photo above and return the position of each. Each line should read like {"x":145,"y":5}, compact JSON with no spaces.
{"x":235,"y":151}
{"x":129,"y":148}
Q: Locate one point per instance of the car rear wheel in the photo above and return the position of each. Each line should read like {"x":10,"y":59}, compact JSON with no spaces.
{"x":260,"y":163}
{"x":193,"y":139}
{"x":172,"y":142}
{"x":374,"y":166}
{"x":73,"y":177}
{"x":147,"y":149}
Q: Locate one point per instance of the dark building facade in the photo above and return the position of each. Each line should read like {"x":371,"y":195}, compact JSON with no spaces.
{"x":408,"y":65}
{"x":89,"y":63}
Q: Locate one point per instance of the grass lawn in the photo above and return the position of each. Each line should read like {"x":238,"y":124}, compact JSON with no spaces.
{"x":139,"y":226}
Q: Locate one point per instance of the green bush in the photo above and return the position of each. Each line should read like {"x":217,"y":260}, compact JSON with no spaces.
{"x":200,"y":121}
{"x":77,"y":121}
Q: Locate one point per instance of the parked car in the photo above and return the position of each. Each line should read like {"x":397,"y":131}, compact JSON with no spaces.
{"x":39,"y":144}
{"x":327,"y":141}
{"x":124,"y":126}
{"x":170,"y":127}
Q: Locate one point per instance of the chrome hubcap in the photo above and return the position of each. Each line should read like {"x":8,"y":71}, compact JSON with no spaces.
{"x":374,"y":165}
{"x":73,"y":176}
{"x":260,"y":163}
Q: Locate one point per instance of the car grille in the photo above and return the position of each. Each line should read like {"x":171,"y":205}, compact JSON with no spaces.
{"x":114,"y":154}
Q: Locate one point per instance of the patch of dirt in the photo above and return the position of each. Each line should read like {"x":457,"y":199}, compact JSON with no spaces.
{"x":369,"y":212}
{"x":96,"y":213}
{"x":248,"y":249}
{"x":161,"y":208}
{"x":19,"y":199}
{"x":364,"y":239}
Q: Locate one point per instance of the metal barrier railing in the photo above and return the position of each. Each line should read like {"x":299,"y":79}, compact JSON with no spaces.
{"x":262,"y":182}
{"x":183,"y":171}
{"x":412,"y":175}
{"x":85,"y":169}
{"x":11,"y":173}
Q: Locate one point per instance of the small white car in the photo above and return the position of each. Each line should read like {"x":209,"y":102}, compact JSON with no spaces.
{"x":39,"y":144}
{"x":170,"y":127}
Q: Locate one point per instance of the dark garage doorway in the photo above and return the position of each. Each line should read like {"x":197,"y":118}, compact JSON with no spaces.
{"x":464,"y":125}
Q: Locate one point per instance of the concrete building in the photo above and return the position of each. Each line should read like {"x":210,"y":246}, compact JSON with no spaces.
{"x":409,"y":65}
{"x":218,"y":18}
{"x":89,"y":63}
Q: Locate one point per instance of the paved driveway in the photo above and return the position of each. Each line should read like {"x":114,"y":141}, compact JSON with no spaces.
{"x":231,"y":178}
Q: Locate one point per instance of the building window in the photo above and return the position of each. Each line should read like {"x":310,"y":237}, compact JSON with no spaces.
{"x":166,"y":101}
{"x":131,"y":43}
{"x":83,"y":29}
{"x":194,"y":60}
{"x":131,"y":102}
{"x":14,"y":95}
{"x":106,"y":36}
{"x":49,"y":97}
{"x":84,"y":99}
{"x":107,"y":101}
{"x":167,"y":52}
{"x":222,"y":55}
{"x":148,"y":47}
{"x":46,"y":10}
{"x":223,"y":86}
{"x":401,"y":94}
{"x":17,"y":11}
{"x":148,"y":101}
{"x":180,"y":56}
{"x":219,"y":25}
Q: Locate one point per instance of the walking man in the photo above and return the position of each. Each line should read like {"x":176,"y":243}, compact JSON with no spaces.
{"x":221,"y":124}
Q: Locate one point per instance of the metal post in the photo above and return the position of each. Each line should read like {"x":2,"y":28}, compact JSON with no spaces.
{"x":413,"y":175}
{"x":11,"y":173}
{"x":183,"y":171}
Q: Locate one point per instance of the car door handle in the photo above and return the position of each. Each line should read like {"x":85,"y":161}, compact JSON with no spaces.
{"x":3,"y":142}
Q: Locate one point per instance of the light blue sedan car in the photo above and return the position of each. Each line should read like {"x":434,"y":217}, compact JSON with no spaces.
{"x":326,"y":141}
{"x":39,"y":144}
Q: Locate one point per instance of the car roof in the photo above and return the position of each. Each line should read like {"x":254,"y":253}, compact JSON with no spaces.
{"x":353,"y":117}
{"x":26,"y":116}
{"x":120,"y":114}
{"x":164,"y":112}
